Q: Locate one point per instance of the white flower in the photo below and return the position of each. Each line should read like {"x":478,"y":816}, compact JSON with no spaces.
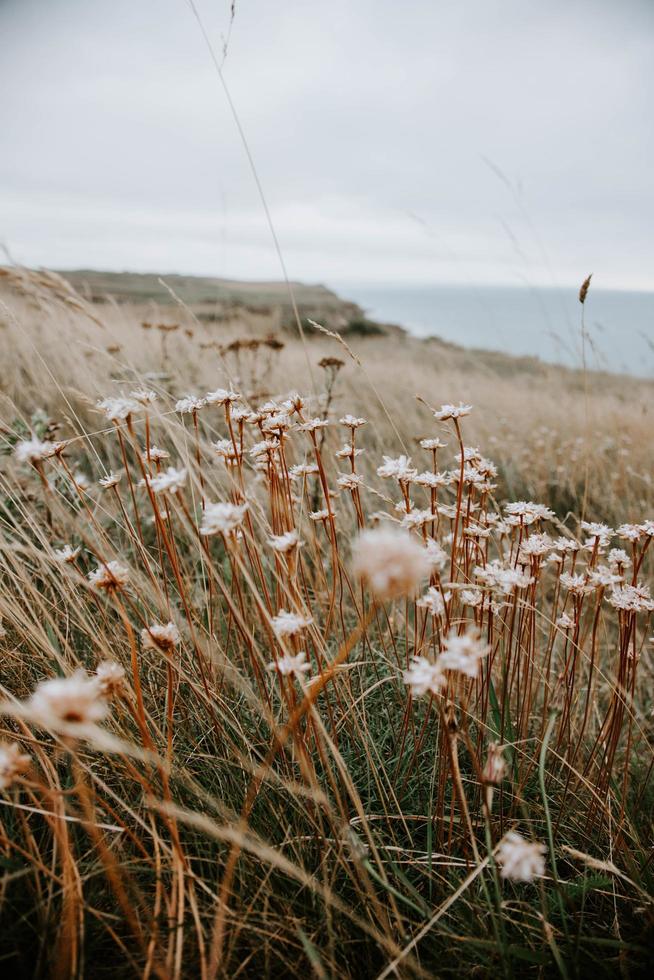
{"x":109,"y":481}
{"x":74,"y":700}
{"x":498,"y":577}
{"x":464,"y":653}
{"x":34,"y":450}
{"x":432,"y":444}
{"x":111,"y":575}
{"x":189,"y":404}
{"x":289,"y":623}
{"x":447,"y":412}
{"x":351,"y":422}
{"x":519,"y":859}
{"x":599,"y":533}
{"x":158,"y":637}
{"x":632,"y":598}
{"x":221,"y":396}
{"x":424,"y":677}
{"x":170,"y":481}
{"x":348,"y":452}
{"x":118,"y":409}
{"x":319,"y":515}
{"x":632,"y":532}
{"x":577,"y":584}
{"x":290,"y":665}
{"x":526,"y":512}
{"x":222,"y":518}
{"x":391,"y":562}
{"x":495,"y":769}
{"x":67,"y":554}
{"x":349,"y":481}
{"x":111,"y":678}
{"x":283,"y":543}
{"x":418,"y":518}
{"x":156,"y":455}
{"x":400,"y":469}
{"x":277,"y":423}
{"x":144,"y":396}
{"x":436,"y":554}
{"x":433,"y":602}
{"x":432,"y":480}
{"x":565,"y":622}
{"x":13,"y":762}
{"x":313,"y":424}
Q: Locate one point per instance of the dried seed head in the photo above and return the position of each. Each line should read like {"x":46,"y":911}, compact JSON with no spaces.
{"x":390,"y":562}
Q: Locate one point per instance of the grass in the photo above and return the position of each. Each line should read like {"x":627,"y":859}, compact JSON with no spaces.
{"x":206,"y":806}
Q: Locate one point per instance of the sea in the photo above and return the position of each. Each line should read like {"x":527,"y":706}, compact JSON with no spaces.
{"x":523,"y":320}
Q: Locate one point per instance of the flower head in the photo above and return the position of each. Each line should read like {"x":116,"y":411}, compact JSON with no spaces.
{"x":35,"y":450}
{"x":424,"y":677}
{"x":170,"y":481}
{"x":289,"y":623}
{"x":222,"y":518}
{"x":391,"y":562}
{"x":74,"y":700}
{"x":158,"y":637}
{"x":520,"y":859}
{"x":67,"y":554}
{"x":283,"y":543}
{"x":463,"y":653}
{"x":118,"y":409}
{"x":288,"y":665}
{"x":447,"y":412}
{"x":111,"y":678}
{"x":13,"y":762}
{"x":110,"y":575}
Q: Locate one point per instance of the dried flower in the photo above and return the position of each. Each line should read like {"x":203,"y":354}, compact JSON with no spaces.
{"x":189,"y":404}
{"x":67,"y":554}
{"x":464,"y":652}
{"x":13,"y":762}
{"x":158,"y":637}
{"x":170,"y":481}
{"x":117,"y":409}
{"x":391,"y":562}
{"x":519,"y":859}
{"x":494,"y":770}
{"x":447,"y":412}
{"x":399,"y":469}
{"x":282,"y":543}
{"x":109,"y":481}
{"x":222,"y":518}
{"x":288,"y":665}
{"x":289,"y":623}
{"x":110,"y":575}
{"x":221,"y":396}
{"x":424,"y":677}
{"x":74,"y":700}
{"x":111,"y":678}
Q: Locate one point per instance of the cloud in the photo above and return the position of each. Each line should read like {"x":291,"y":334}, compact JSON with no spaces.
{"x":483,"y":141}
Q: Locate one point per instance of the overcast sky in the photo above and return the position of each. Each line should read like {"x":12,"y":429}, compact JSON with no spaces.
{"x":401,"y":142}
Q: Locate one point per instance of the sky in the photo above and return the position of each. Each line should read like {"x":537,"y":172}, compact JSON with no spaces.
{"x":414,"y":142}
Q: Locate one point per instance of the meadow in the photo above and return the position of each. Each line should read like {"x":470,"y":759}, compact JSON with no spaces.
{"x":320,"y":654}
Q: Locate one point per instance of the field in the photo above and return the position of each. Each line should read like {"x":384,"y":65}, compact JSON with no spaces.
{"x":322,"y":654}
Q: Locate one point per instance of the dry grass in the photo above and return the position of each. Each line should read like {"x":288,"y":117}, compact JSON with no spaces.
{"x":208,"y":814}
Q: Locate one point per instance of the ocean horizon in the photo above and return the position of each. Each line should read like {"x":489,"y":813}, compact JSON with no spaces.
{"x":543,"y":322}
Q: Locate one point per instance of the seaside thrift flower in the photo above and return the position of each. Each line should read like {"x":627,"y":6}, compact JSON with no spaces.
{"x":289,"y":624}
{"x":67,"y":554}
{"x":519,"y":859}
{"x":433,"y":601}
{"x":349,"y":481}
{"x":290,"y":665}
{"x":632,"y":598}
{"x":351,"y":422}
{"x":283,"y":543}
{"x":447,"y":412}
{"x":111,"y":575}
{"x":436,"y":554}
{"x":319,"y":515}
{"x":221,"y":396}
{"x":35,"y":451}
{"x":399,"y":469}
{"x":390,"y":562}
{"x":170,"y":481}
{"x":13,"y":763}
{"x":464,"y":653}
{"x":111,"y":678}
{"x":144,"y":396}
{"x":158,"y":637}
{"x":189,"y":404}
{"x":109,"y":481}
{"x":117,"y":409}
{"x":423,"y":677}
{"x":74,"y":700}
{"x":432,"y":444}
{"x":565,"y":622}
{"x":156,"y":455}
{"x":222,"y":518}
{"x":313,"y":424}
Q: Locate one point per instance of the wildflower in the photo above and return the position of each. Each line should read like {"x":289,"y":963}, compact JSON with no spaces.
{"x":171,"y":481}
{"x":603,"y":577}
{"x":144,"y":396}
{"x":463,"y":653}
{"x":109,"y":481}
{"x":283,"y":543}
{"x":566,"y":544}
{"x":565,"y":622}
{"x":495,"y":575}
{"x":117,"y":409}
{"x":351,"y":422}
{"x":436,"y":554}
{"x":494,"y":770}
{"x":289,"y":624}
{"x":67,"y":554}
{"x":13,"y":762}
{"x":288,"y":665}
{"x":349,"y":481}
{"x":535,"y":546}
{"x":577,"y":584}
{"x":189,"y":404}
{"x":158,"y":637}
{"x":631,"y":532}
{"x":433,"y":601}
{"x":35,"y":450}
{"x":447,"y":412}
{"x":110,"y":575}
{"x":277,"y":423}
{"x":417,"y":518}
{"x":319,"y":515}
{"x":81,"y":481}
{"x":424,"y":677}
{"x":647,"y":527}
{"x":111,"y":678}
{"x":632,"y":598}
{"x":348,"y":452}
{"x":432,"y":444}
{"x":221,"y":396}
{"x":222,"y":518}
{"x":617,"y":558}
{"x":526,"y":512}
{"x":156,"y":455}
{"x":399,"y":469}
{"x":598,"y":533}
{"x":471,"y":598}
{"x":519,"y":859}
{"x":391,"y":562}
{"x":431,"y":480}
{"x":74,"y":700}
